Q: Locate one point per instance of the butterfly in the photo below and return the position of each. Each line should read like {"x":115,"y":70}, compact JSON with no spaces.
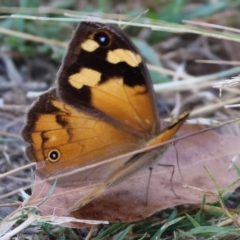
{"x":103,"y":107}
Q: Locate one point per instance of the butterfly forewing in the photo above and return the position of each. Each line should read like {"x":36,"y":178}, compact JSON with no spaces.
{"x":103,"y":72}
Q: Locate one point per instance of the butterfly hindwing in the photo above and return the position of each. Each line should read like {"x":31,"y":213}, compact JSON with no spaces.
{"x":64,"y":138}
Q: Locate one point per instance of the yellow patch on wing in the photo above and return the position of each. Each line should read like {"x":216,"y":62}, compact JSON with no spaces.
{"x":86,"y":76}
{"x":123,"y":55}
{"x":128,"y":105}
{"x":89,"y":45}
{"x":141,"y":102}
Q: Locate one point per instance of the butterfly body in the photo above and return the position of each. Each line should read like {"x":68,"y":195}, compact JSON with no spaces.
{"x":103,"y":107}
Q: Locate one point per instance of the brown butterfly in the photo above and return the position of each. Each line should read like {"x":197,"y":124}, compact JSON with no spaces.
{"x":103,"y":107}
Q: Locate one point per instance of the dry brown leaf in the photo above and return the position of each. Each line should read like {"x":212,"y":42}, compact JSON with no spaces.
{"x":126,"y":201}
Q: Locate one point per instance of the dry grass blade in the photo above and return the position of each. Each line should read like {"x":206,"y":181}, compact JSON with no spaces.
{"x":191,"y":83}
{"x":32,"y":37}
{"x":212,"y":107}
{"x":30,"y":165}
{"x":236,"y":63}
{"x":209,"y":25}
{"x":9,"y":221}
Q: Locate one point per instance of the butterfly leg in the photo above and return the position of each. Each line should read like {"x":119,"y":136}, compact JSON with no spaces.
{"x":171,"y":179}
{"x":149,"y":179}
